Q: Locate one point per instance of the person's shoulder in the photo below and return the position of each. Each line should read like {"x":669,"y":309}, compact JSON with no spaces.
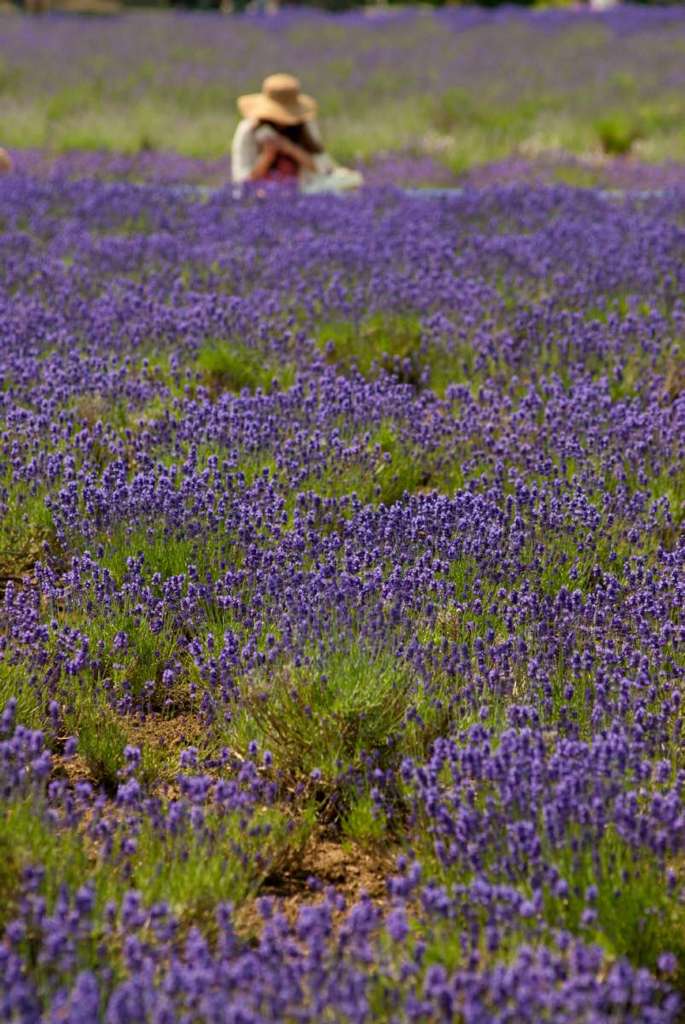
{"x":264,"y":133}
{"x":244,"y":127}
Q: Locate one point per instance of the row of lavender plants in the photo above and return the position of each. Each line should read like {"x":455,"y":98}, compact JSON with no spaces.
{"x":356,"y":520}
{"x":403,"y":170}
{"x":456,"y":87}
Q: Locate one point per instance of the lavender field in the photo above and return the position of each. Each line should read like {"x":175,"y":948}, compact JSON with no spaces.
{"x":342,"y":641}
{"x":342,"y":547}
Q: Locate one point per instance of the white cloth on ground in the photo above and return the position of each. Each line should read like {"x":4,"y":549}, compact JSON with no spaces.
{"x":329,"y":177}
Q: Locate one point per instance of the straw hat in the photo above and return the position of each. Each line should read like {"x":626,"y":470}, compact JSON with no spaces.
{"x":279,"y":101}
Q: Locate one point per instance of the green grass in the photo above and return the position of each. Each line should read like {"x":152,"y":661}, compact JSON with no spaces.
{"x":27,"y":838}
{"x":326,"y":724}
{"x":636,"y":918}
{"x":136,"y":668}
{"x":633,"y":913}
{"x":193,"y":875}
{"x":164,"y":551}
{"x":380,"y":471}
{"x":233,"y":366}
{"x":396,"y":344}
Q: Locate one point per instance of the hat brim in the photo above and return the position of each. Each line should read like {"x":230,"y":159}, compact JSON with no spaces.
{"x":260,"y":108}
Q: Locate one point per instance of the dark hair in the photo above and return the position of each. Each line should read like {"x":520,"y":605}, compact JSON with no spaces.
{"x":297,"y":133}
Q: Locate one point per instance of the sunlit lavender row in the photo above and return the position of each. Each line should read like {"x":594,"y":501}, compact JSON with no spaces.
{"x":456,"y":87}
{"x":349,"y":525}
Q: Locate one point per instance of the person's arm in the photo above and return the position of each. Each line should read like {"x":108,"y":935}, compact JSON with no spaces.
{"x":295,"y":152}
{"x":271,"y":143}
{"x":266,"y":158}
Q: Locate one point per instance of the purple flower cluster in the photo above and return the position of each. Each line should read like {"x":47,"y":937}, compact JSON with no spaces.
{"x":404,"y":169}
{"x":356,"y":514}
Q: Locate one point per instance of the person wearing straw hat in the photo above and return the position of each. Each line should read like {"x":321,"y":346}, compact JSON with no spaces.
{"x":278,"y":140}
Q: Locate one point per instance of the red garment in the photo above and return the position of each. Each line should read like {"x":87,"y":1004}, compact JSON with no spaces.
{"x":283,"y":168}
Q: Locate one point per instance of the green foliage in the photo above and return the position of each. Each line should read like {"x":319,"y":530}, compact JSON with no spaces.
{"x":398,"y":469}
{"x":327,"y":720}
{"x":140,"y":666}
{"x":17,"y":682}
{"x":324,"y":716}
{"x":24,"y":531}
{"x":383,"y":341}
{"x":575,"y":175}
{"x":92,"y":408}
{"x":233,"y":366}
{"x":190,"y":868}
{"x":26,"y":838}
{"x":102,"y":738}
{"x":364,"y":823}
{"x":607,"y":892}
{"x":636,"y":916}
{"x":381,"y":471}
{"x":193,"y":875}
{"x":165,"y":552}
{"x":617,"y":134}
{"x":10,"y":872}
{"x":396,"y":344}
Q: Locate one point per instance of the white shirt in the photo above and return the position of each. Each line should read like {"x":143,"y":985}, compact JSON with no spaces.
{"x":245,"y":148}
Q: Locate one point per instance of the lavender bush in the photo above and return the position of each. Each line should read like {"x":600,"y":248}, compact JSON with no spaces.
{"x":349,"y":521}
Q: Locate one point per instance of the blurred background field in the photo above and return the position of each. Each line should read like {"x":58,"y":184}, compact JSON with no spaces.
{"x":424,"y":95}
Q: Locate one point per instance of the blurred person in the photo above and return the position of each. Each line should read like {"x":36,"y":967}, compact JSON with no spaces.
{"x":6,"y":164}
{"x":278,"y":140}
